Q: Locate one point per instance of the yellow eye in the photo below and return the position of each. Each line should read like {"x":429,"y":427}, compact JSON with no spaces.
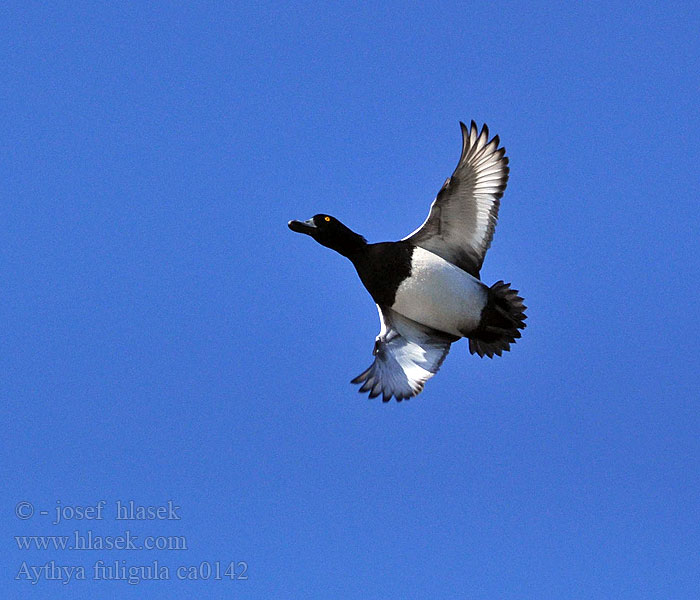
{"x":328,"y":218}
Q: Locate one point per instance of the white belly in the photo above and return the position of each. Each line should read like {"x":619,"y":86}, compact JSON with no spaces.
{"x":440,"y":295}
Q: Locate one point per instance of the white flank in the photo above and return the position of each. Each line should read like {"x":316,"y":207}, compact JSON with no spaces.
{"x":440,"y":295}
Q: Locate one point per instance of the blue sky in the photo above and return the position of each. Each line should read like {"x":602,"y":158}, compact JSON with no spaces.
{"x":167,"y":338}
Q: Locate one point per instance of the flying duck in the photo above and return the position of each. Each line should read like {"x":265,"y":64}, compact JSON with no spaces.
{"x":427,"y":286}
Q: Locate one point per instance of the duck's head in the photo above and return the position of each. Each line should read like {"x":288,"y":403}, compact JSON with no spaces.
{"x":330,"y":232}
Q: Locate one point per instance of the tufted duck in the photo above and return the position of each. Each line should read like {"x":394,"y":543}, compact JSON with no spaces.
{"x":427,"y":286}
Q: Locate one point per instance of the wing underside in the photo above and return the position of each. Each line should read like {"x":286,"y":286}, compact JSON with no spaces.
{"x":462,"y":219}
{"x":407,"y":354}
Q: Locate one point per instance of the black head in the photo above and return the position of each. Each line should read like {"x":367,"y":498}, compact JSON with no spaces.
{"x":330,"y":232}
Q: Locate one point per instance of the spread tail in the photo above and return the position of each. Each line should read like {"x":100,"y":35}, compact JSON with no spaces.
{"x":502,"y":318}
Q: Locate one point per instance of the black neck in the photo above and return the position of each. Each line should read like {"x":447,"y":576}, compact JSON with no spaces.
{"x":349,"y":244}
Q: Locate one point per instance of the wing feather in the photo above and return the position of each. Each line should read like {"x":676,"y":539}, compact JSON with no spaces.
{"x":462,"y":219}
{"x":407,"y":354}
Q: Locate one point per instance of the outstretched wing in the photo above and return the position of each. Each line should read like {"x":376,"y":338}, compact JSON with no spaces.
{"x":463,"y":217}
{"x":407,"y":354}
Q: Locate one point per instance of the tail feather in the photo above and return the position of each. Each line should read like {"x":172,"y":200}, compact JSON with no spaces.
{"x":502,"y":318}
